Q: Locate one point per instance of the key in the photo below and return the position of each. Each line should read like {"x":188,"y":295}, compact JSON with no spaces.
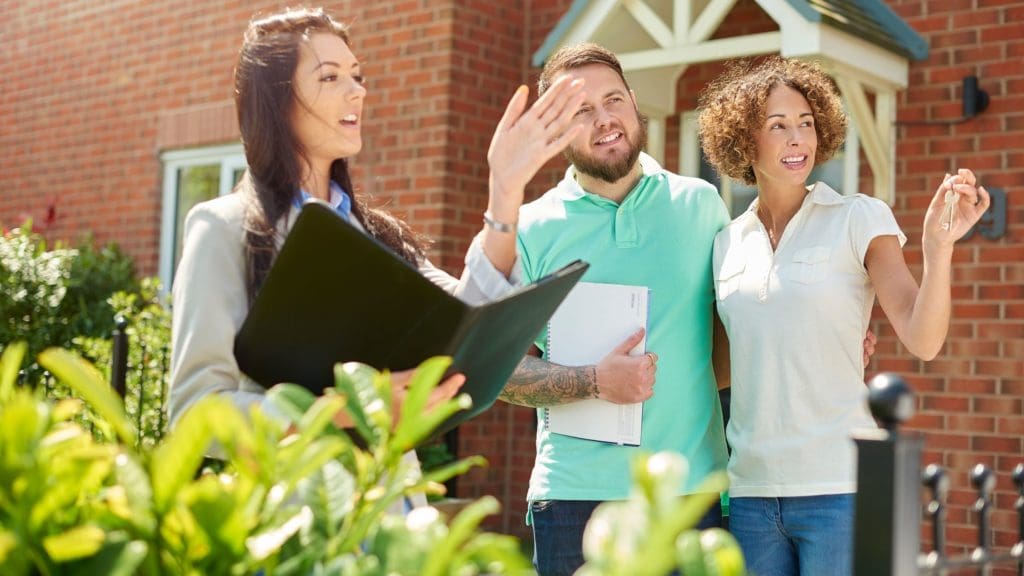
{"x":949,"y":212}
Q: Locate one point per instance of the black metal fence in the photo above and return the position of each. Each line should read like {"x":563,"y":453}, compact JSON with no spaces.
{"x":887,"y":535}
{"x":139,"y":373}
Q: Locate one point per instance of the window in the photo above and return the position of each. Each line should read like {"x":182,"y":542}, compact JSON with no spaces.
{"x":190,"y":177}
{"x":840,"y":172}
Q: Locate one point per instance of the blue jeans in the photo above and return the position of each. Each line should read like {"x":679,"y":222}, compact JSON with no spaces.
{"x":805,"y":536}
{"x":558,"y":533}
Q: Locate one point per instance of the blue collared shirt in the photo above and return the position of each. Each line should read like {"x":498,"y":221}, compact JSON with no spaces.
{"x":339,"y":200}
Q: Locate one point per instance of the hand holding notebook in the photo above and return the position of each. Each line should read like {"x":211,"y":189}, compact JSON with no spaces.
{"x":593,"y":320}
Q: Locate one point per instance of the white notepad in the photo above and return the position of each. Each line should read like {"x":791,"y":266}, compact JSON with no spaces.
{"x":591,"y":321}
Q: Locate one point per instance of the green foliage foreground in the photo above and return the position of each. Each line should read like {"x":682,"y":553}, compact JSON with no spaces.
{"x":303,"y":498}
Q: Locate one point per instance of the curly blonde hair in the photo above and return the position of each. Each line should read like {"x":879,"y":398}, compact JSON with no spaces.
{"x":732,"y":108}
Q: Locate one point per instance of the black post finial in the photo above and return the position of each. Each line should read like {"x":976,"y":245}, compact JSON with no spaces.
{"x":890,"y":399}
{"x":119,"y":355}
{"x":1018,"y":481}
{"x":984,"y":481}
{"x":937,"y":482}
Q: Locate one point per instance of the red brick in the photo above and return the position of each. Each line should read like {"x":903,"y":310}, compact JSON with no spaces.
{"x":1004,"y":406}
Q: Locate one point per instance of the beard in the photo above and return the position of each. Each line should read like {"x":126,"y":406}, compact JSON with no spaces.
{"x":616,"y":169}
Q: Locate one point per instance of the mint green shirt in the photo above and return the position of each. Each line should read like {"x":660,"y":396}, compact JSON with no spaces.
{"x":661,"y":237}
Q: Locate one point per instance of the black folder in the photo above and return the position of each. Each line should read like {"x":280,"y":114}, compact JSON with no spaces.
{"x":335,"y":294}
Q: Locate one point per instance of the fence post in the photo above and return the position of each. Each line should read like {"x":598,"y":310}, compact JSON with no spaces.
{"x":119,"y":356}
{"x":887,"y":519}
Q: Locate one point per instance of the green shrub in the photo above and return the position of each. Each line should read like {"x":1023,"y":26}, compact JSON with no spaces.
{"x":148,"y":328}
{"x":48,"y":297}
{"x":303,"y":498}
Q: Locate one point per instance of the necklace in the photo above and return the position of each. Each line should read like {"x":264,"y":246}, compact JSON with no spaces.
{"x":766,"y":221}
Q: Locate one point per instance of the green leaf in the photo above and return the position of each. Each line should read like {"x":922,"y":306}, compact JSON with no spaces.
{"x":119,"y":556}
{"x":13,"y":354}
{"x":444,"y":473}
{"x":689,"y":554}
{"x":316,"y":454}
{"x":461,"y":529}
{"x":419,"y":428}
{"x":262,"y":545}
{"x":321,"y":414}
{"x":84,"y":379}
{"x":356,"y":382}
{"x":291,"y":400}
{"x":423,"y":381}
{"x":78,"y":542}
{"x":137,"y":491}
{"x":177,"y":459}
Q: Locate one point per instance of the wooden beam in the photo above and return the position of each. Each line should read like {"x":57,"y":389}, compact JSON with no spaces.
{"x":590,"y":20}
{"x":710,"y":51}
{"x":709,"y":20}
{"x":650,"y":22}
{"x":682,"y":14}
{"x":879,"y":154}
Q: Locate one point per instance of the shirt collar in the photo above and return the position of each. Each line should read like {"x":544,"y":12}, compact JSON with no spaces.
{"x":569,"y":189}
{"x":339,"y":200}
{"x":817,"y":193}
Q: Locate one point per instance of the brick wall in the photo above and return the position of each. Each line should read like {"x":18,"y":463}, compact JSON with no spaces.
{"x":84,"y":88}
{"x":970,"y":398}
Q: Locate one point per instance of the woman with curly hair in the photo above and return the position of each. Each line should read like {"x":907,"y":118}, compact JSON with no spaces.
{"x":796,"y":277}
{"x":299,"y":96}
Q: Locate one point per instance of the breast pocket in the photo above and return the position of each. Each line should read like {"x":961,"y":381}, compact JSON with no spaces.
{"x":810,"y":265}
{"x":728,"y":280}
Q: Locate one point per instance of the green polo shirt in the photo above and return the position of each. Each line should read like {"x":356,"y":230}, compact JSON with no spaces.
{"x":660,"y":237}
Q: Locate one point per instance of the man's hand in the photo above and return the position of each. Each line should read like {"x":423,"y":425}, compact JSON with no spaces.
{"x":625,"y":379}
{"x":869,"y":346}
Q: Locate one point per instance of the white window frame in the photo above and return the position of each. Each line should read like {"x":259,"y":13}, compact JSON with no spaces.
{"x":231,"y":157}
{"x":690,"y":154}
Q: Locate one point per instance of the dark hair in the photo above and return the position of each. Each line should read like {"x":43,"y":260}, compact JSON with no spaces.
{"x":577,"y":56}
{"x":264,"y":98}
{"x":732,"y":108}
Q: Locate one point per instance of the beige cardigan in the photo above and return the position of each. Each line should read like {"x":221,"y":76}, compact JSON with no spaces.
{"x":210,"y":303}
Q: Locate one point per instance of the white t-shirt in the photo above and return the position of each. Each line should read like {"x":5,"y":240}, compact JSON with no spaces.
{"x":796,"y":321}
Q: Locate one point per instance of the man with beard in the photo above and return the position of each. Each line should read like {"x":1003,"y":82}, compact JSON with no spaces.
{"x":636,"y":224}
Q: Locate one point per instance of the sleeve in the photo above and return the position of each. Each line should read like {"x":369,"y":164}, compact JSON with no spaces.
{"x":870,"y":218}
{"x":481,"y":281}
{"x":209,"y":305}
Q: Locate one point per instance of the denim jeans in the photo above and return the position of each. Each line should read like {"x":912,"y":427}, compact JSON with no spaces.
{"x":558,"y":533}
{"x":805,"y":536}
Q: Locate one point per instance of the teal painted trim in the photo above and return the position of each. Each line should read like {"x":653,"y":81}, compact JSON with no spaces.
{"x":556,"y":34}
{"x":805,"y":10}
{"x":902,"y":33}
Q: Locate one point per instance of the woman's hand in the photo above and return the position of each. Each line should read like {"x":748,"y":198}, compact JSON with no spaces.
{"x":446,"y":390}
{"x":399,"y":386}
{"x":526,"y":139}
{"x":947,"y":221}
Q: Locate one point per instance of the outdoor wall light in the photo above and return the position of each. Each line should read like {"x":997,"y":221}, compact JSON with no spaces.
{"x":975,"y":99}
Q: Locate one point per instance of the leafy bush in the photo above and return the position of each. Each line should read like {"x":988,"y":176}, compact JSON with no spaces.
{"x":303,"y":500}
{"x":48,"y":297}
{"x":302,"y":503}
{"x":148,"y":328}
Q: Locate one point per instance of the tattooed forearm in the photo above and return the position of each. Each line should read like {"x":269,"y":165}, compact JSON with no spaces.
{"x":540,"y":383}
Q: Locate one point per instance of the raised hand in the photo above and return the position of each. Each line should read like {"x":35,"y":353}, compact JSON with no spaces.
{"x":958,"y":204}
{"x":526,"y":139}
{"x":625,"y":379}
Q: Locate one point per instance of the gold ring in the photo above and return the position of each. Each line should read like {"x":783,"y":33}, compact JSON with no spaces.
{"x":652,"y":357}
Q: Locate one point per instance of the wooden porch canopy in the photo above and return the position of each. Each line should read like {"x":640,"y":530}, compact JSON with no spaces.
{"x":862,"y":43}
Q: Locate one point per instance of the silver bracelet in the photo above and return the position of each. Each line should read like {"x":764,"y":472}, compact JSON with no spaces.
{"x":498,"y":226}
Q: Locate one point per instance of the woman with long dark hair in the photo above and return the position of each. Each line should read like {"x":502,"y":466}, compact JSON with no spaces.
{"x":299,"y":95}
